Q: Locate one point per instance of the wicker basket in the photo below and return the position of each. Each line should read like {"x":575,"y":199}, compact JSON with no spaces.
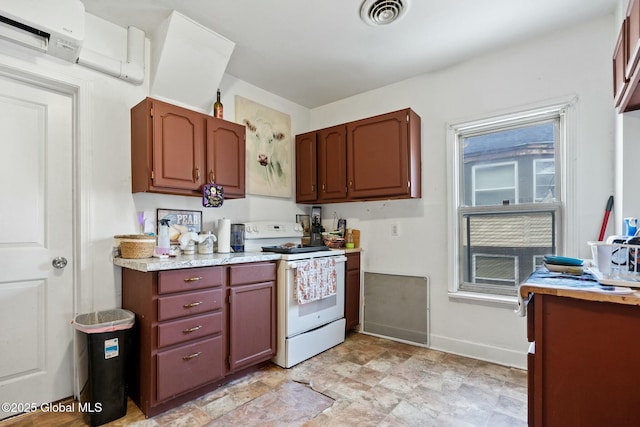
{"x":333,"y":241}
{"x":136,"y":245}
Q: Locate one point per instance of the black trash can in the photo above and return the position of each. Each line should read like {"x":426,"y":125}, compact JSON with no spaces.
{"x":103,"y":369}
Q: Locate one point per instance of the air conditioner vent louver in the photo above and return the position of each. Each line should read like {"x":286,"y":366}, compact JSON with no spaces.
{"x":382,"y":12}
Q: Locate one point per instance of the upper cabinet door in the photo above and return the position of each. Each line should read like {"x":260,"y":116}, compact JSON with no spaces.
{"x":620,"y":78}
{"x":381,"y":160}
{"x":332,"y":167}
{"x":306,"y":173}
{"x":632,"y":41}
{"x":626,"y":61}
{"x":226,"y":156}
{"x":178,"y":158}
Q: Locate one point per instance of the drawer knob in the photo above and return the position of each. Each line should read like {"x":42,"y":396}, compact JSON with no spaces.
{"x":191,"y":356}
{"x":192,"y":304}
{"x":195,"y":328}
{"x":192,"y":279}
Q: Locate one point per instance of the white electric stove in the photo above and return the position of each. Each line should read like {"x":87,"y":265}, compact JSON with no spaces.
{"x":303,"y":330}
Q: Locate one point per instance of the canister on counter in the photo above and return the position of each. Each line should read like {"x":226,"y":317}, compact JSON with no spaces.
{"x":237,"y":237}
{"x":205,"y":246}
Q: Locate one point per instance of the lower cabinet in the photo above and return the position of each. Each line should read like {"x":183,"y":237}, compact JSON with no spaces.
{"x":352,"y":291}
{"x":582,"y":367}
{"x":252,"y":311}
{"x":195,"y":328}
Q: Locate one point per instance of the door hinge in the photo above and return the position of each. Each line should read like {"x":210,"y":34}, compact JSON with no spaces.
{"x":408,"y":184}
{"x":153,"y":175}
{"x":151,"y":112}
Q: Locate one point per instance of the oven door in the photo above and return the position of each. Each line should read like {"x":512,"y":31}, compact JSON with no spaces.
{"x":299,"y":318}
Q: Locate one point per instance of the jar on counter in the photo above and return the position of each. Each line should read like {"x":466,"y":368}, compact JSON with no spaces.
{"x":205,"y":246}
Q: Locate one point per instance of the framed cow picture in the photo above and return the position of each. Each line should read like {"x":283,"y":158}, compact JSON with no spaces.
{"x":269,"y":148}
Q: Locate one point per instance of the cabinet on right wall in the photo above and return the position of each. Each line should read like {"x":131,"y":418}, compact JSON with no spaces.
{"x":370,"y":159}
{"x":626,"y":61}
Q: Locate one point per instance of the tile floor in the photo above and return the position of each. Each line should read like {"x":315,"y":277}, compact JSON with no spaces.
{"x":366,"y":381}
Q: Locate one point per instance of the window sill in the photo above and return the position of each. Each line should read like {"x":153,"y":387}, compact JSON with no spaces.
{"x":502,"y":301}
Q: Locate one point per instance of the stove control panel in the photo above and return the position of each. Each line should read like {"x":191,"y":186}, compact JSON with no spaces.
{"x":271,"y":230}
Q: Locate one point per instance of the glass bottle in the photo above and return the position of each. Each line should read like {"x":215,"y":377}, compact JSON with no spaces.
{"x":217,"y":107}
{"x":349,"y":244}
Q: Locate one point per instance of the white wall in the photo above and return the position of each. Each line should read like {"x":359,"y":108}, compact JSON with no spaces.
{"x":575,"y":62}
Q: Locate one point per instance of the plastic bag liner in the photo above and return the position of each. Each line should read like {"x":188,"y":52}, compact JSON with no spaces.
{"x":104,"y":321}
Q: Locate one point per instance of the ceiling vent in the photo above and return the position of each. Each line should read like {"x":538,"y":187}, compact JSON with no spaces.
{"x":382,"y":12}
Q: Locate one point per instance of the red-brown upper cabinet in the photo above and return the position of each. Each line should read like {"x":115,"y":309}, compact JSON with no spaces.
{"x":626,"y":61}
{"x":332,"y":166}
{"x":306,"y":164}
{"x":384,"y":156}
{"x":631,"y":27}
{"x":175,"y":150}
{"x":620,"y":79}
{"x":226,"y":156}
{"x":167,"y":148}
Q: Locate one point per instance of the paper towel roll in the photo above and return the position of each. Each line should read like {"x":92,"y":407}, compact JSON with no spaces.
{"x":224,"y":236}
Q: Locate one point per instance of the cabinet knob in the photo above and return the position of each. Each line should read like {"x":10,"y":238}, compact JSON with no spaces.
{"x":212,"y":177}
{"x":196,"y":175}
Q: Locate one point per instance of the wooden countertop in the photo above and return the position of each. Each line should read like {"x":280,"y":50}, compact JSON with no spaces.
{"x":579,"y":287}
{"x":587,"y":294}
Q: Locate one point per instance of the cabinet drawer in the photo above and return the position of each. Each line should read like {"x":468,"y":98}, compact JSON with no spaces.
{"x":189,"y":279}
{"x":170,"y":307}
{"x":243,"y":274}
{"x":187,"y":367}
{"x":178,"y":331}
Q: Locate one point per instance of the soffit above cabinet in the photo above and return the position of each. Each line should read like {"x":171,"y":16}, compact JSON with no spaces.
{"x":187,"y":62}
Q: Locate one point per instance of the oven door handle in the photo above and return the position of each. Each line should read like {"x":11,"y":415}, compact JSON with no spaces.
{"x":292,"y":265}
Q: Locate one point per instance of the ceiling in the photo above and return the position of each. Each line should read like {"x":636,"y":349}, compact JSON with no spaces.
{"x":314,"y":52}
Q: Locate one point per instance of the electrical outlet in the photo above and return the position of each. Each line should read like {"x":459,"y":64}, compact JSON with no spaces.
{"x":395,"y":230}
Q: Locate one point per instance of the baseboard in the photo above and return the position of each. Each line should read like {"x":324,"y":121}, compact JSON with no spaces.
{"x":501,"y":356}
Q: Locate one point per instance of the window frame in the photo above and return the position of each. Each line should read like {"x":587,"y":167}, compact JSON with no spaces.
{"x":565,"y":143}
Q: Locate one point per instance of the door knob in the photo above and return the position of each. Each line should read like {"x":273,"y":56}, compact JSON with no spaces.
{"x":59,"y":262}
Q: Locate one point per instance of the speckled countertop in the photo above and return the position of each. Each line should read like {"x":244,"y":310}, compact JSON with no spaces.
{"x":188,"y":261}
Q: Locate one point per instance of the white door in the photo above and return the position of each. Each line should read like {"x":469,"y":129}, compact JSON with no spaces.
{"x":36,"y":299}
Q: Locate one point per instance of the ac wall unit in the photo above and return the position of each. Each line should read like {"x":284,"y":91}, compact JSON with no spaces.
{"x":55,"y":27}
